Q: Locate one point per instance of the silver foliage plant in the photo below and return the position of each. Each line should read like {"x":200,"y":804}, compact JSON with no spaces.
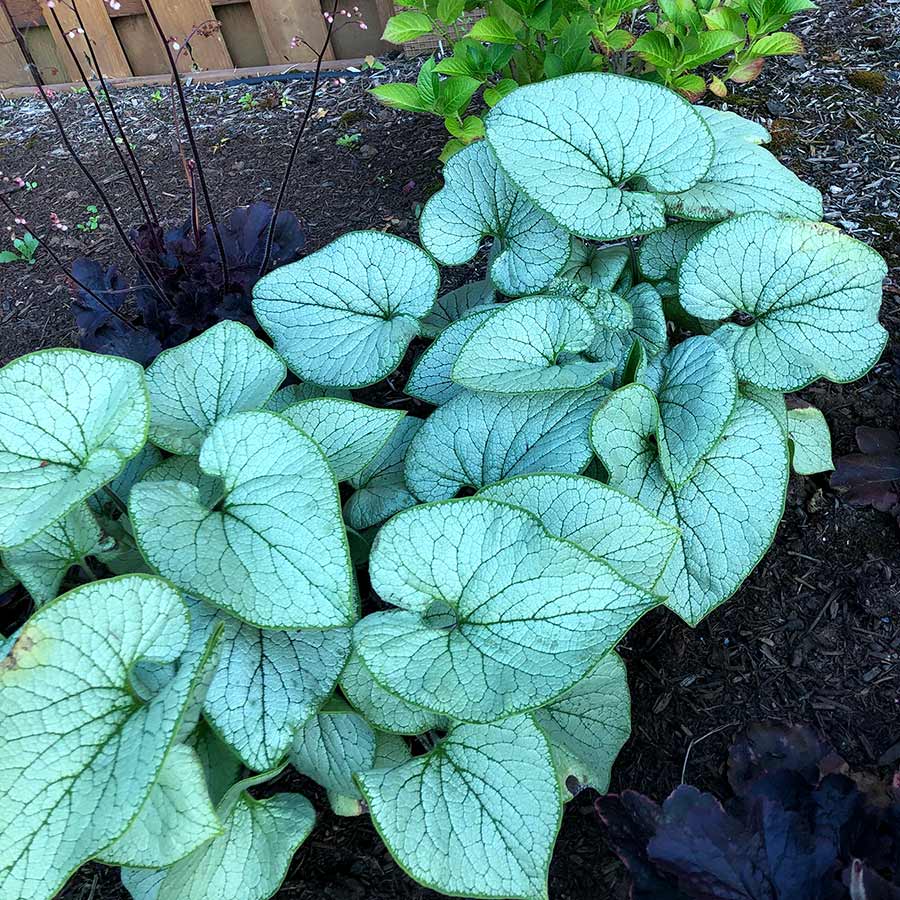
{"x":609,"y":399}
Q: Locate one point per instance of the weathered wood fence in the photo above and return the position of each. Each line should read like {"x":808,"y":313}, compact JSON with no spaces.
{"x":253,"y":34}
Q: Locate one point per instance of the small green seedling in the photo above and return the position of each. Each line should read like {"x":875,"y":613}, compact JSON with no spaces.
{"x":349,"y":141}
{"x":247,"y":102}
{"x":24,"y":250}
{"x":92,"y":222}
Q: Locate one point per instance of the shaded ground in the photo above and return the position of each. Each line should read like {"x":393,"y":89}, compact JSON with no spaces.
{"x":813,"y":635}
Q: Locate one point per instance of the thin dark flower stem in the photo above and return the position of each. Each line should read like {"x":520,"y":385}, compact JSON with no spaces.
{"x":99,"y":108}
{"x":45,"y":245}
{"x":154,"y":218}
{"x":282,"y":190}
{"x":117,"y":224}
{"x":189,"y":129}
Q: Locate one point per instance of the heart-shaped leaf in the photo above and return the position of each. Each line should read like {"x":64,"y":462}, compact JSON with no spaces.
{"x":349,"y":434}
{"x":806,"y":296}
{"x":603,"y":521}
{"x":81,"y":754}
{"x":69,"y":422}
{"x":225,"y":370}
{"x":727,"y":511}
{"x":277,"y":532}
{"x":661,"y":252}
{"x":530,"y":346}
{"x":344,"y":316}
{"x":598,"y":267}
{"x":744,"y":177}
{"x":454,"y":305}
{"x":478,"y":201}
{"x":476,"y":582}
{"x":648,"y":327}
{"x":810,"y":441}
{"x":479,"y":439}
{"x":597,"y":133}
{"x":477,"y":816}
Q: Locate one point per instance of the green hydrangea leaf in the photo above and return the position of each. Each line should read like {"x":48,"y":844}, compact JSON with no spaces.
{"x":349,"y":434}
{"x":430,"y":379}
{"x":248,"y":860}
{"x":477,"y":816}
{"x":175,"y":820}
{"x":69,"y":422}
{"x":380,"y":489}
{"x":333,"y":745}
{"x":811,"y":292}
{"x":727,"y":511}
{"x":226,"y":369}
{"x":292,"y":394}
{"x":810,"y":441}
{"x":661,"y":252}
{"x":603,"y":521}
{"x":455,"y":304}
{"x":588,"y":726}
{"x":41,"y":563}
{"x":597,"y":267}
{"x":277,"y":532}
{"x":266,"y":684}
{"x":81,"y":754}
{"x":383,"y":709}
{"x":478,"y":201}
{"x":597,"y":132}
{"x":479,"y":439}
{"x":530,"y":346}
{"x":744,"y":177}
{"x":344,"y":315}
{"x":611,"y":345}
{"x":696,"y":396}
{"x":477,"y":581}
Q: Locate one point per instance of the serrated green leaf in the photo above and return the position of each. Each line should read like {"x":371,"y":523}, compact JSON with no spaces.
{"x":479,"y":439}
{"x":406,"y":26}
{"x":349,"y":434}
{"x":696,"y":397}
{"x":344,"y":315}
{"x":493,"y":30}
{"x":727,"y":511}
{"x":744,"y":177}
{"x":661,"y":252}
{"x":783,"y":43}
{"x":530,"y":346}
{"x":383,"y":709}
{"x":477,"y":200}
{"x":598,"y":132}
{"x":400,"y":96}
{"x":605,"y":522}
{"x":331,"y":747}
{"x":708,"y":46}
{"x":41,"y":563}
{"x":657,"y":49}
{"x":456,"y":304}
{"x":226,"y":369}
{"x":76,"y":772}
{"x":471,"y":129}
{"x":278,"y":533}
{"x":266,"y":684}
{"x":476,"y":582}
{"x":249,"y":860}
{"x":496,"y":92}
{"x":810,"y":441}
{"x":69,"y":422}
{"x":381,"y":489}
{"x":430,"y":379}
{"x":450,"y":10}
{"x":454,"y":94}
{"x":175,"y":820}
{"x":813,"y":295}
{"x":588,"y":726}
{"x":454,"y":834}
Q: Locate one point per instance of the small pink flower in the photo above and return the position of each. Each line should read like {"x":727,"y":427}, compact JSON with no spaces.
{"x":19,"y":182}
{"x":20,"y":221}
{"x":363,"y":26}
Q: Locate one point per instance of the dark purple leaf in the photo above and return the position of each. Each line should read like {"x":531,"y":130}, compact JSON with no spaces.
{"x":877,"y":440}
{"x":107,"y":284}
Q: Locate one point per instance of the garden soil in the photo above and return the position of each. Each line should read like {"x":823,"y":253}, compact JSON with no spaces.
{"x":814,"y":633}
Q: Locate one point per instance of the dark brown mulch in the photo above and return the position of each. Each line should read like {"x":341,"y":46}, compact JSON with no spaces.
{"x":814,"y":634}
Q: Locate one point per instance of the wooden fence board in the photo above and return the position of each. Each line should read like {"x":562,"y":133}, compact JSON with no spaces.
{"x":280,"y":20}
{"x":110,"y":55}
{"x":178,"y":18}
{"x":12,"y":63}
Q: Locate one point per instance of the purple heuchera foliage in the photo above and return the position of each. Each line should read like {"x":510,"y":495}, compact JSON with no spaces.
{"x":871,"y":477}
{"x":189,"y":272}
{"x":799,"y":827}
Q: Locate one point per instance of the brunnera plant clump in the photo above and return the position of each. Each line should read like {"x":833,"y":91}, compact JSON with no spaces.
{"x":609,"y":433}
